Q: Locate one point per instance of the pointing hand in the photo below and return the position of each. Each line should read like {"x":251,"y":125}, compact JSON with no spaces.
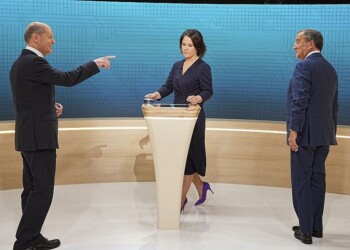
{"x":103,"y":62}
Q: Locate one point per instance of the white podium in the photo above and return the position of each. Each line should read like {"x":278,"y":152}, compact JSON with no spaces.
{"x":170,"y":128}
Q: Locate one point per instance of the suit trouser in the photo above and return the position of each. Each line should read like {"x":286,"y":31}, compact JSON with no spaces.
{"x":39,"y":169}
{"x":309,"y":186}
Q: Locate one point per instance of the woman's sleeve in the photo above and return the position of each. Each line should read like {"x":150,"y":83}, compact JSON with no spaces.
{"x":205,"y":82}
{"x":168,"y":87}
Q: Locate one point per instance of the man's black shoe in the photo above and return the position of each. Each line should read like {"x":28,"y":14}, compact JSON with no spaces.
{"x":305,"y":238}
{"x":317,"y":234}
{"x":44,"y":243}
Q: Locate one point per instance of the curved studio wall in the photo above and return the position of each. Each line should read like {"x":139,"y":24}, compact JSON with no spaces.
{"x":249,"y":50}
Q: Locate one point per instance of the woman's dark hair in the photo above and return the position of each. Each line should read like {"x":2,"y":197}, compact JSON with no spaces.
{"x":197,"y":40}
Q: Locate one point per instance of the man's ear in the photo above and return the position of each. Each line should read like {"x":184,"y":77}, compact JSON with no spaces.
{"x":312,"y":44}
{"x":35,"y":38}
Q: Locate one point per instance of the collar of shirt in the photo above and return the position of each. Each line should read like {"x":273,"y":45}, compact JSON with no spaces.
{"x":312,"y":52}
{"x":35,"y":51}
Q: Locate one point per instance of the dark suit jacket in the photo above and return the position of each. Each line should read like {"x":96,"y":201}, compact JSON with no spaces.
{"x":312,"y":107}
{"x":32,"y":82}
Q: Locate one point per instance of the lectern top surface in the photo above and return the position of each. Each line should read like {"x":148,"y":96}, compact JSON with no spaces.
{"x":170,"y":110}
{"x":171,"y":105}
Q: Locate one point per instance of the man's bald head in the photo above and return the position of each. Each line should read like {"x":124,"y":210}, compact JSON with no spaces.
{"x":35,"y":28}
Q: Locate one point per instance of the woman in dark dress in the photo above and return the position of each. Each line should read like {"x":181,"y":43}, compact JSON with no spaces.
{"x":190,"y":80}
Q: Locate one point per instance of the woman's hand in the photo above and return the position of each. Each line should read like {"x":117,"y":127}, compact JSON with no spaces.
{"x":154,"y":96}
{"x":194,"y":99}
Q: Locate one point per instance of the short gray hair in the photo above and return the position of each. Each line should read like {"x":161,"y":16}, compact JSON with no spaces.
{"x":313,"y":35}
{"x":35,"y":28}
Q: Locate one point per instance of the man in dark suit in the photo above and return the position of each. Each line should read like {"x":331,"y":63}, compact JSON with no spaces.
{"x":33,"y":82}
{"x":312,"y":113}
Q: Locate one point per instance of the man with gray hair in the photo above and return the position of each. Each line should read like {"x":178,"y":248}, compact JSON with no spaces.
{"x":312,"y":114}
{"x":33,"y":82}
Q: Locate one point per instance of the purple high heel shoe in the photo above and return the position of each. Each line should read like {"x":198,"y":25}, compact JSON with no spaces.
{"x":183,"y":205}
{"x":206,"y":187}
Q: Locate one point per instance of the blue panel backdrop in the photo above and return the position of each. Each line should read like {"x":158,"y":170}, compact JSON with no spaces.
{"x":249,"y":50}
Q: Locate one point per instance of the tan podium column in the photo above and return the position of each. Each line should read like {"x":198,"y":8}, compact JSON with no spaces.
{"x":170,"y":129}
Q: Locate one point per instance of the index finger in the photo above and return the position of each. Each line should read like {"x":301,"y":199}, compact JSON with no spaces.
{"x":109,"y":57}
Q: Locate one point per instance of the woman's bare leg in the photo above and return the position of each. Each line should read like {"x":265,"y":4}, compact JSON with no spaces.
{"x":198,"y":184}
{"x":186,"y":186}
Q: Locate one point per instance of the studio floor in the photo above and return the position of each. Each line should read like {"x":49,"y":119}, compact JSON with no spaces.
{"x":123,"y":216}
